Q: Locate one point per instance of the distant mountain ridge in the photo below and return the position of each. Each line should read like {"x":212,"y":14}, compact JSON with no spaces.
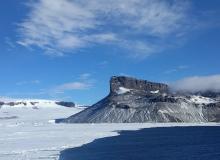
{"x":136,"y":101}
{"x":34,"y":103}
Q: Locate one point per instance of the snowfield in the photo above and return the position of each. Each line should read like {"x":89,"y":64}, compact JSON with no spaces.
{"x":28,"y":133}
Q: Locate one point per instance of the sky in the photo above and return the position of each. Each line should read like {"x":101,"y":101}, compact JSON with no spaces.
{"x":69,"y":49}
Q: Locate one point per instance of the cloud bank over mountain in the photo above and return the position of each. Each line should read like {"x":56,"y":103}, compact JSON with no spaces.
{"x":197,"y":83}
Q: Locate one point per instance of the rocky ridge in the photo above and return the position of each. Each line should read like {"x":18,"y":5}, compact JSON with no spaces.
{"x":35,"y":103}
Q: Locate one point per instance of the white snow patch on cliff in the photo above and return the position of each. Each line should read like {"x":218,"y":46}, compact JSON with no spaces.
{"x":201,"y":100}
{"x":155,"y":92}
{"x":123,"y":90}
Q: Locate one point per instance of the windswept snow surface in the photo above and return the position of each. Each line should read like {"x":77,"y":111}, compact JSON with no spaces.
{"x":28,"y":133}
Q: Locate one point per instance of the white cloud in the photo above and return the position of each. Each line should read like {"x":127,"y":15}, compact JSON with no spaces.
{"x":73,"y":86}
{"x":142,"y":26}
{"x":198,"y":83}
{"x":84,"y":81}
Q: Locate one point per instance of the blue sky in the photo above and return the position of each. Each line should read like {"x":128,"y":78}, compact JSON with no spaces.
{"x":69,"y":49}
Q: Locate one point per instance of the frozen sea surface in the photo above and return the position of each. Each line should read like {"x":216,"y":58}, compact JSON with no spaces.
{"x":30,"y":134}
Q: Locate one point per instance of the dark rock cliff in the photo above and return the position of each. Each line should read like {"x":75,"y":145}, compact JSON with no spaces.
{"x":132,"y":83}
{"x":66,"y":104}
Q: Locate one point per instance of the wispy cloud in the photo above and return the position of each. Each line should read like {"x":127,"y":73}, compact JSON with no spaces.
{"x":9,"y":43}
{"x":85,"y":76}
{"x":143,"y":27}
{"x":103,"y":64}
{"x":73,"y":86}
{"x":198,"y":83}
{"x":27,"y":82}
{"x":177,"y":69}
{"x":84,"y":82}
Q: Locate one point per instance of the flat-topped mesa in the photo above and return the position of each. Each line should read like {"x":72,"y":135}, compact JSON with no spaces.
{"x":139,"y":101}
{"x":131,"y":83}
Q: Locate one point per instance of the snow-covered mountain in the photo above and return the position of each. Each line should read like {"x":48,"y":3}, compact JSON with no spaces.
{"x":34,"y":103}
{"x":36,"y":110}
{"x":132,"y":100}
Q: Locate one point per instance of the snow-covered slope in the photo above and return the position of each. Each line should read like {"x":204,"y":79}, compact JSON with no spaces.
{"x":201,"y":100}
{"x":34,"y":110}
{"x":28,"y":131}
{"x":132,"y":100}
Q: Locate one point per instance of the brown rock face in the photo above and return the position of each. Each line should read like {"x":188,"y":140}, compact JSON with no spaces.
{"x":136,"y":84}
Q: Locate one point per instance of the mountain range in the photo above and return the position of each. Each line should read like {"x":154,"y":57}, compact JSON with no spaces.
{"x":34,"y":103}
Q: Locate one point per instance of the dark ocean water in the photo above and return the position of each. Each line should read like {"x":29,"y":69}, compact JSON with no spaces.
{"x":173,"y":143}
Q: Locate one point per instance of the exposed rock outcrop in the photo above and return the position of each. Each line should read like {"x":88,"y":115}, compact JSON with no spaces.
{"x":132,"y":100}
{"x":135,"y":84}
{"x":66,"y":104}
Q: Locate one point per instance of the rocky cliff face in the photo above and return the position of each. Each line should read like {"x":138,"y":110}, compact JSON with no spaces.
{"x":135,"y":84}
{"x":66,"y":104}
{"x":137,"y":101}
